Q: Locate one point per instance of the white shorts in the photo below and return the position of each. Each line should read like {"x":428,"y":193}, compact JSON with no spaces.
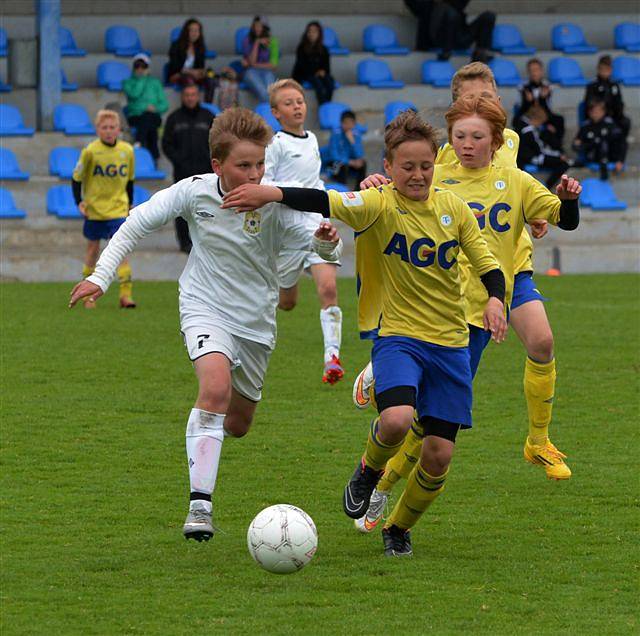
{"x":249,"y":359}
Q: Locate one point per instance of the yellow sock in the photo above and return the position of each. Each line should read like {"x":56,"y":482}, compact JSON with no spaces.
{"x":403,"y":462}
{"x":377,"y":452}
{"x":539,"y":386}
{"x":419,"y":493}
{"x":87,"y":271}
{"x":124,"y":278}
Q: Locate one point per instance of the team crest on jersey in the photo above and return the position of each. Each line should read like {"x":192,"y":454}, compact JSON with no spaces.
{"x":445,"y":219}
{"x":450,"y":181}
{"x":252,"y":222}
{"x":500,"y":184}
{"x":351,"y":199}
{"x":510,"y":144}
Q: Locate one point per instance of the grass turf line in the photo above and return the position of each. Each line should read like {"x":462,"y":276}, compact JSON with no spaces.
{"x":95,"y":486}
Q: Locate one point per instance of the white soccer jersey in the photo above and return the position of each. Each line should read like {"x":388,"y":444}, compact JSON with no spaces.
{"x":293,"y":160}
{"x":232,"y":267}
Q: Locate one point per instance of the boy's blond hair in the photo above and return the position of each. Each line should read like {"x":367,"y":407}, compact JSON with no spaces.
{"x":234,"y":125}
{"x":281,"y":85}
{"x":408,"y":126}
{"x":106,"y":114}
{"x":473,"y":71}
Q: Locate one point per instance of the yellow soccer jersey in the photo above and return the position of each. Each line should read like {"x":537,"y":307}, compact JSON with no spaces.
{"x":104,"y":172}
{"x":418,"y":245}
{"x":502,"y":199}
{"x":505,"y":157}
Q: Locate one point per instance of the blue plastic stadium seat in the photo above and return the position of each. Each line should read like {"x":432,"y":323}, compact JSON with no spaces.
{"x":599,"y":196}
{"x":626,"y":35}
{"x":309,"y":86}
{"x":145,"y":166}
{"x":595,"y":167}
{"x":65,"y":84}
{"x":241,"y":34}
{"x":338,"y":187}
{"x":110,"y":75}
{"x":331,"y":41}
{"x":566,"y":72}
{"x":68,"y":46}
{"x":5,"y":88}
{"x":437,"y":73}
{"x":11,"y":124}
{"x":9,"y":166}
{"x":505,"y":72}
{"x":569,"y":38}
{"x":393,"y":109}
{"x":4,"y":43}
{"x":382,"y":40}
{"x":329,"y":116}
{"x":62,"y":161}
{"x":264,"y":110}
{"x":531,"y":168}
{"x":8,"y":209}
{"x":123,"y":41}
{"x":72,"y":119}
{"x":626,"y":70}
{"x":61,"y":203}
{"x":508,"y":40}
{"x":140,"y":195}
{"x":211,"y":107}
{"x":175,"y":34}
{"x":377,"y":74}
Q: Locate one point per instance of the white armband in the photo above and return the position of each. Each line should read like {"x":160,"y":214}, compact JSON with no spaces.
{"x":328,"y":250}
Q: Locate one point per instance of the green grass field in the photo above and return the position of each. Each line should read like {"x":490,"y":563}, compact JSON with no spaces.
{"x":95,"y":484}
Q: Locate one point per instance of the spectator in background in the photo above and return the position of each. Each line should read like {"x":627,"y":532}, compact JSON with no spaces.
{"x":146,"y":102}
{"x":312,"y":63}
{"x":540,"y":144}
{"x":346,"y":152}
{"x":261,"y":54}
{"x":610,"y":93}
{"x":186,"y":59}
{"x":537,"y":92}
{"x":600,"y":140}
{"x":186,"y":144}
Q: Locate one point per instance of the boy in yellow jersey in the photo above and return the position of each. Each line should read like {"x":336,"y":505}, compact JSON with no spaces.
{"x":421,"y":357}
{"x":103,"y":190}
{"x":527,"y":315}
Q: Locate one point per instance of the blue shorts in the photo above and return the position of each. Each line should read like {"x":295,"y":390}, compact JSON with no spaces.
{"x":440,"y":376}
{"x":96,"y":230}
{"x":478,"y":341}
{"x":524,"y":290}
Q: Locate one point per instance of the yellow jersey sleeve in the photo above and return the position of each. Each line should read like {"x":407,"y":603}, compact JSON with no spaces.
{"x":82,"y":166}
{"x":358,"y":210}
{"x":473,"y":243}
{"x":537,"y":201}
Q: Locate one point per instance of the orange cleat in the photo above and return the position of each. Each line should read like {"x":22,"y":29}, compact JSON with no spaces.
{"x":333,"y":371}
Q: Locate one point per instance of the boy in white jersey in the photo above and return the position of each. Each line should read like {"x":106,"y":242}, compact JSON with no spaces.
{"x":293,"y":158}
{"x":228,"y":291}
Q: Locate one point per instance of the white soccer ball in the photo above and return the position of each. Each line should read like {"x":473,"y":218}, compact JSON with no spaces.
{"x":282,"y":539}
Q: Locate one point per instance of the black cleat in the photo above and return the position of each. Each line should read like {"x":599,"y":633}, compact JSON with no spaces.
{"x":357,"y":492}
{"x":397,"y":542}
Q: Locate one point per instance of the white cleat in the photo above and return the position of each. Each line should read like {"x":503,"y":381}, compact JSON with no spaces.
{"x":361,"y":387}
{"x":198,"y":525}
{"x":375,"y":513}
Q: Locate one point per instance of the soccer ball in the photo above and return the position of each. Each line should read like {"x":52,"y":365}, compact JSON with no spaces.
{"x":282,"y":539}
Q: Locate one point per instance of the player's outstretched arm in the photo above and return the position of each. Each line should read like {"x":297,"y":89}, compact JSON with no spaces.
{"x":327,"y":242}
{"x":251,"y":196}
{"x":568,"y":191}
{"x":84,"y":289}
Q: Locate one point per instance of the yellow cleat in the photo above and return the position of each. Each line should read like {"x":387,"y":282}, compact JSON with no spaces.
{"x":549,"y":457}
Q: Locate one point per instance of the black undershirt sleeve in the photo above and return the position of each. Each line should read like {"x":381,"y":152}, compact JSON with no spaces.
{"x":494,"y":283}
{"x":569,"y":214}
{"x":130,"y":191}
{"x":306,"y":200}
{"x":76,"y":187}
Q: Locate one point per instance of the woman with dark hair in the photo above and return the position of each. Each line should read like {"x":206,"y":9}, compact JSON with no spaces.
{"x":312,"y":63}
{"x":260,"y":57}
{"x":186,"y":59}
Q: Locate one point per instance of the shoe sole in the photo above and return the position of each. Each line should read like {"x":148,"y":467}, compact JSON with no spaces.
{"x":198,"y":535}
{"x":398,"y":555}
{"x":332,"y":376}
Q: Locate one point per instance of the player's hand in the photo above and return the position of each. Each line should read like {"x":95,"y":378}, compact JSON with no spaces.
{"x":84,"y":289}
{"x":373,"y":181}
{"x":494,"y":320}
{"x":250,"y":196}
{"x":568,"y":188}
{"x":327,"y":232}
{"x":539,"y":228}
{"x":82,"y":206}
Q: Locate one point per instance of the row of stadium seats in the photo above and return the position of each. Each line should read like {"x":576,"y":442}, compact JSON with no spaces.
{"x":375,"y":73}
{"x":63,"y":160}
{"x":122,"y":40}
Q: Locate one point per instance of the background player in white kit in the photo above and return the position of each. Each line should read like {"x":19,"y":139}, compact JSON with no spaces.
{"x":293,"y":159}
{"x":228,"y":291}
